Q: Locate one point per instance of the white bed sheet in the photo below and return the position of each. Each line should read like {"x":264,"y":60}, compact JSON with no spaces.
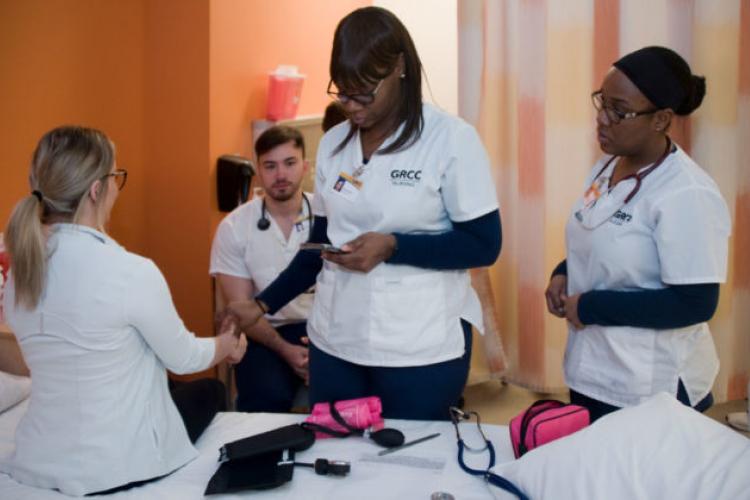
{"x":412,"y":473}
{"x":660,"y":449}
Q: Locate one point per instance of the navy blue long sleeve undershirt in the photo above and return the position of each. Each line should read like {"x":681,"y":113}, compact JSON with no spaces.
{"x":675,"y":306}
{"x":473,"y":243}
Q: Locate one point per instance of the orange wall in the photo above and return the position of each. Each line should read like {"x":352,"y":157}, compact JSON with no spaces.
{"x":177,"y":199}
{"x":73,"y":62}
{"x":175,"y":83}
{"x":249,"y":39}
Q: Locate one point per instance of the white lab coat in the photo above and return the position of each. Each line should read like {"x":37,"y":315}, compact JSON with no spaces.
{"x":98,"y":346}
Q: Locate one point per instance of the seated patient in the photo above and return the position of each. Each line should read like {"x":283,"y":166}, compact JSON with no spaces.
{"x":98,"y":330}
{"x":253,"y":244}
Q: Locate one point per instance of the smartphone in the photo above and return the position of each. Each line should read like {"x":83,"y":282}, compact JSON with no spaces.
{"x":321,"y":247}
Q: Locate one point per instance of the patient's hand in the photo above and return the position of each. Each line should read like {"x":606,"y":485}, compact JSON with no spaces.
{"x":297,"y":357}
{"x":226,"y":323}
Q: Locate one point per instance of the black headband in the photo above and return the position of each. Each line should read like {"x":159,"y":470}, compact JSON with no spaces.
{"x":664,"y":78}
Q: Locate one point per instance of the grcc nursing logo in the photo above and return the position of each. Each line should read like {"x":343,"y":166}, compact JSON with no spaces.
{"x":620,"y":218}
{"x":405,"y":177}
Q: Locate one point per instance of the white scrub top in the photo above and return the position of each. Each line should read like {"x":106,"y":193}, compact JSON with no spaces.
{"x":674,"y":231}
{"x":399,"y":315}
{"x":242,"y":250}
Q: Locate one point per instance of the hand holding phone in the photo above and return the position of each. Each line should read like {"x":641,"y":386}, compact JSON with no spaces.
{"x":321,"y":247}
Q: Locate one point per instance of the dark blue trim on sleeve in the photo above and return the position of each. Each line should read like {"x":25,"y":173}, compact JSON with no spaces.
{"x":474,"y":243}
{"x":675,"y":306}
{"x":300,"y":274}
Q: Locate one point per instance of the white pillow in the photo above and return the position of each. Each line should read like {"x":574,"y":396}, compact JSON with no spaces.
{"x":659,"y":449}
{"x":13,"y":390}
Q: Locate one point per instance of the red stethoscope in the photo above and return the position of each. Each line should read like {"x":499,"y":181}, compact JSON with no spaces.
{"x":594,"y":192}
{"x":642,"y":174}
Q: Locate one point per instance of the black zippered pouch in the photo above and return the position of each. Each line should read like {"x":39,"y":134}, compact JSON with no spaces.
{"x":262,"y":461}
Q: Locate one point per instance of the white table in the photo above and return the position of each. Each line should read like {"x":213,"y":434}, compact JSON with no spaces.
{"x":412,"y":473}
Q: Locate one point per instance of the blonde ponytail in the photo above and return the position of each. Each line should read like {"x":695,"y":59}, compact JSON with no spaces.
{"x":66,"y":162}
{"x":24,"y":238}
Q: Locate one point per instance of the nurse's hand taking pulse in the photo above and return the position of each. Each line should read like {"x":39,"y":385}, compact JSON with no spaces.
{"x":556,"y":295}
{"x":364,"y":252}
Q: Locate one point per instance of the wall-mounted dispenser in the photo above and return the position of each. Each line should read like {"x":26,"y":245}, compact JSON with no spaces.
{"x":233,"y":176}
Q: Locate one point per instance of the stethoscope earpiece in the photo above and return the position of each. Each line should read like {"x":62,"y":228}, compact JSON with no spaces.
{"x":263,"y":223}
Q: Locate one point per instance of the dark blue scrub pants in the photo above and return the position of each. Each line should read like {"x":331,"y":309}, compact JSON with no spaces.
{"x":411,"y":392}
{"x":265,"y":381}
{"x":598,"y":409}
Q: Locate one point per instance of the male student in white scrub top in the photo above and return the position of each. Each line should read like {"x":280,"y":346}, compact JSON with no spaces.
{"x":647,"y":246}
{"x":253,"y":244}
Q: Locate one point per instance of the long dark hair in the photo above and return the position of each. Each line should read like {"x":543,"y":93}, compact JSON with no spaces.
{"x":366,"y":47}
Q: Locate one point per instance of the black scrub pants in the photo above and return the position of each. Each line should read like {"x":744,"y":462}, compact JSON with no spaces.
{"x":598,"y":409}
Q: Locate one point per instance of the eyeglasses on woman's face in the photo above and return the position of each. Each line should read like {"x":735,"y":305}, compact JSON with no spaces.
{"x":614,"y":114}
{"x":363,"y":99}
{"x":120,"y":176}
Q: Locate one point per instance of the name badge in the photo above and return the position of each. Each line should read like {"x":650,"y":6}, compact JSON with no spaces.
{"x":299,"y":222}
{"x":347,"y":186}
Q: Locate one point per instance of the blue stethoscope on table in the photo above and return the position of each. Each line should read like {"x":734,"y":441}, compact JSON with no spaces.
{"x":457,"y":415}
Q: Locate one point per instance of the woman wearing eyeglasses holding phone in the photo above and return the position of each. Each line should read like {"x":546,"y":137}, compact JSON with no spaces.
{"x":647,"y":246}
{"x":405,"y":191}
{"x":98,"y":330}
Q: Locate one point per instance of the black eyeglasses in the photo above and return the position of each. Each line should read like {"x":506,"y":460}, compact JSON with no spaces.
{"x":120,"y":175}
{"x":362,"y":99}
{"x":615,"y":115}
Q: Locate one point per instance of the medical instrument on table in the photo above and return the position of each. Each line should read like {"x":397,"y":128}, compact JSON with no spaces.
{"x":442,"y":495}
{"x":353,"y":417}
{"x":325,"y":467}
{"x":408,"y":443}
{"x":457,"y":415}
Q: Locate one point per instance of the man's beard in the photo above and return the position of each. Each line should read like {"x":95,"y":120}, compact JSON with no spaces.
{"x":281,"y":196}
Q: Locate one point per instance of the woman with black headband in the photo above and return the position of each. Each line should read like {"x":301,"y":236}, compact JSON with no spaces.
{"x":647,"y":247}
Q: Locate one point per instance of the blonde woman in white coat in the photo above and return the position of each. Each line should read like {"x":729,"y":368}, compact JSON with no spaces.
{"x":98,"y":329}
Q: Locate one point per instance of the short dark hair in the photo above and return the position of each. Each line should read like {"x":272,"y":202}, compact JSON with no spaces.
{"x":366,"y":47}
{"x":276,"y":136}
